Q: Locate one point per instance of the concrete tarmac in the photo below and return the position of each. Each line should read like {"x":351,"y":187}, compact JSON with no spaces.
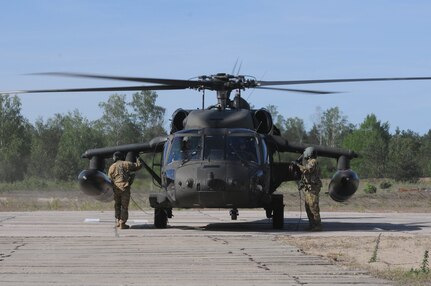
{"x":199,"y":247}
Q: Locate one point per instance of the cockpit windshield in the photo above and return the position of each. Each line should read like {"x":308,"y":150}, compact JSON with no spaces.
{"x":231,"y":147}
{"x":243,"y":148}
{"x":185,"y":148}
{"x":214,"y":147}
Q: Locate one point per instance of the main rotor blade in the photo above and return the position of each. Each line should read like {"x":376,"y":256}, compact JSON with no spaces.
{"x":298,"y":90}
{"x":288,"y":82}
{"x":119,"y":88}
{"x":176,"y":82}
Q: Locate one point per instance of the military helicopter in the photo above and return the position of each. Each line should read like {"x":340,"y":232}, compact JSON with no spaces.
{"x":221,"y":156}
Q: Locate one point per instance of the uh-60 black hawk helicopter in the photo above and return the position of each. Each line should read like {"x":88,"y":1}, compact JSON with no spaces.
{"x":220,"y":156}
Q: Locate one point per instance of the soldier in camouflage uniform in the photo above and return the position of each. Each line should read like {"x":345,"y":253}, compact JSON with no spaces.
{"x":311,"y":184}
{"x":121,"y":175}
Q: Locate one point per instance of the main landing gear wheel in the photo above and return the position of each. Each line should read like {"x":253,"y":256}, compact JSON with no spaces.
{"x":160,"y":218}
{"x":277,"y":211}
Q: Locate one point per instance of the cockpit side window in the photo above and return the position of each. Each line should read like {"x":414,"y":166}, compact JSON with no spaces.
{"x":185,"y":148}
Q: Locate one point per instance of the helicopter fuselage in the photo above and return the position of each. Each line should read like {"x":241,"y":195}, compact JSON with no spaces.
{"x":216,"y":168}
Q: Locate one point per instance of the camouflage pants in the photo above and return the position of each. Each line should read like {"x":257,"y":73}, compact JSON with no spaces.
{"x":122,"y":199}
{"x":312,"y":207}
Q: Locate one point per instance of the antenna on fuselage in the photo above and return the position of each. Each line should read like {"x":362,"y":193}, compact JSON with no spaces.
{"x":203,"y":99}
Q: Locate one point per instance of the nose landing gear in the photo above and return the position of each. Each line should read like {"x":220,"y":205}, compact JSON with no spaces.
{"x":161,"y":216}
{"x":275,"y":211}
{"x":234,"y":214}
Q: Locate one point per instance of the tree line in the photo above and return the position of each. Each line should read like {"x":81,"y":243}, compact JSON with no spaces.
{"x":51,"y":149}
{"x":403,"y":156}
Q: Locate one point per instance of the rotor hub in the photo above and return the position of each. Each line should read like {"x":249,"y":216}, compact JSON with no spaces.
{"x":223,"y":81}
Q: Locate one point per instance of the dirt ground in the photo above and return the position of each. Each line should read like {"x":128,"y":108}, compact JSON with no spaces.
{"x":395,"y":257}
{"x":394,"y":251}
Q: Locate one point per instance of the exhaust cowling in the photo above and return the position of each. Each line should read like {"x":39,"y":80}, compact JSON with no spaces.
{"x":96,"y":184}
{"x":343,"y":185}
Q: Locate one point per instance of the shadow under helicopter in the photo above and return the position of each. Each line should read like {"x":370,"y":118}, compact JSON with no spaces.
{"x":295,"y":225}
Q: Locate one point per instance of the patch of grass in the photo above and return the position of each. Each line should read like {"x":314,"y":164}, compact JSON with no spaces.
{"x":32,"y":194}
{"x":424,"y":269}
{"x":37,"y":184}
{"x":390,"y":199}
{"x":54,"y":204}
{"x":376,"y":249}
{"x":385,"y":185}
{"x":370,"y":189}
{"x":415,"y":276}
{"x":402,"y":277}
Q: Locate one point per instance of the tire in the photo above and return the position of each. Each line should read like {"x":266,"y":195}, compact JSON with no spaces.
{"x":278,"y":211}
{"x":160,"y":218}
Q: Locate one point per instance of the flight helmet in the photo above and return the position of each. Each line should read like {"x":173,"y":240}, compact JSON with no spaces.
{"x":118,"y":156}
{"x":309,"y":152}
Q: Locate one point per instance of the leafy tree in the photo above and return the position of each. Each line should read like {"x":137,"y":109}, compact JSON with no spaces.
{"x":116,"y":122}
{"x":147,"y":117}
{"x":425,"y":154}
{"x":15,"y":139}
{"x":403,"y":156}
{"x":122,"y":126}
{"x":329,"y":129}
{"x":45,"y":140}
{"x":314,"y":135}
{"x":333,"y":127}
{"x":78,"y":135}
{"x":371,"y":141}
{"x":295,"y":129}
{"x":316,"y":132}
{"x":277,"y":118}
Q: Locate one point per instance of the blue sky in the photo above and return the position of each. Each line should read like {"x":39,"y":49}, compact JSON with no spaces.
{"x":274,"y":40}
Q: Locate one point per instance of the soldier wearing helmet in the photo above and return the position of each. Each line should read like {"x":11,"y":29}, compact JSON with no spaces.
{"x":121,"y":173}
{"x":311,"y":184}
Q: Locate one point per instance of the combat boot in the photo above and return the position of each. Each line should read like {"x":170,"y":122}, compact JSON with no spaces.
{"x":314,"y":227}
{"x":117,"y":223}
{"x":123,"y":225}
